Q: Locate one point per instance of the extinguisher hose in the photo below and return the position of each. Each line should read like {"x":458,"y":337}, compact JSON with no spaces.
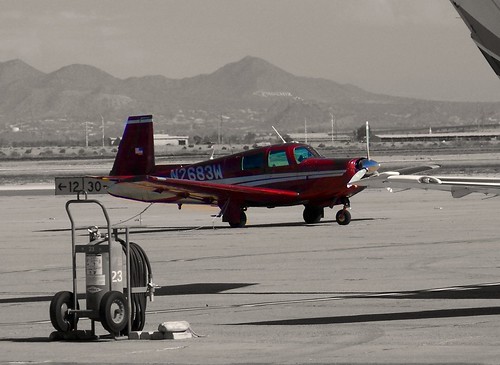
{"x":140,"y":276}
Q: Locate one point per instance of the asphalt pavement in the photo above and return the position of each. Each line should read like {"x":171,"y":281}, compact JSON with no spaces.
{"x":412,"y":279}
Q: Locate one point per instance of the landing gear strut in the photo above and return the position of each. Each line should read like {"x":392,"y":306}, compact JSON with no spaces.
{"x":343,"y":216}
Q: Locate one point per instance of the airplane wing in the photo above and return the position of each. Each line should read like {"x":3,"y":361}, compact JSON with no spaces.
{"x":168,"y":190}
{"x":481,"y":17}
{"x":459,"y":186}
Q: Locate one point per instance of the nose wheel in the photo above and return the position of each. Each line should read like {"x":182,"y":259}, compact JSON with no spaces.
{"x":343,"y":217}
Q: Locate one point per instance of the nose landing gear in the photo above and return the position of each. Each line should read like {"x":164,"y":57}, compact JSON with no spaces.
{"x":343,"y":216}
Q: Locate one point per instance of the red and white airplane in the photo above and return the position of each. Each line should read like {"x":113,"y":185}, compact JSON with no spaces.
{"x":278,"y":175}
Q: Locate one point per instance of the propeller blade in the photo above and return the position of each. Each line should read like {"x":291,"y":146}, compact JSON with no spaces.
{"x":356,"y":177}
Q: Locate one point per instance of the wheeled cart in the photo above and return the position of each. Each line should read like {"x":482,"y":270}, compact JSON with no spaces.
{"x":108,"y":299}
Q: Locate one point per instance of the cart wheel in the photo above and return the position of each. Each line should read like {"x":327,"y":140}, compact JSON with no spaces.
{"x":59,"y":305}
{"x":113,"y":312}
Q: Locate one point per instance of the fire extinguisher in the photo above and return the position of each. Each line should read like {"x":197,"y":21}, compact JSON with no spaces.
{"x":104,"y":277}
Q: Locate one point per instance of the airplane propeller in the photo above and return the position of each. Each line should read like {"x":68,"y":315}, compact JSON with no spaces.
{"x":370,"y":166}
{"x":366,"y":167}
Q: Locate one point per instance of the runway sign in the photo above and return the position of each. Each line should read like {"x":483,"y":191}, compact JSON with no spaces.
{"x":73,"y":185}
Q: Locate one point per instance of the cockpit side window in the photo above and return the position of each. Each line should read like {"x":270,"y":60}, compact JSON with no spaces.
{"x":277,"y":158}
{"x":302,"y":153}
{"x":251,"y":162}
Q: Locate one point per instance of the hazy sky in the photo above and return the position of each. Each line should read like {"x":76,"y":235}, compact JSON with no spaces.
{"x":417,"y":48}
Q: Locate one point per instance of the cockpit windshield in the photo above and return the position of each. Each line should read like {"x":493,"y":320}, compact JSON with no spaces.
{"x":302,"y":153}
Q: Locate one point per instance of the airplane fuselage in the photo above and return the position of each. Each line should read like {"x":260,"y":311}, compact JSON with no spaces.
{"x":292,"y":166}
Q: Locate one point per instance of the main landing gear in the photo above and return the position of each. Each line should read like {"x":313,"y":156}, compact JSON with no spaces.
{"x":313,"y":214}
{"x":234,"y":215}
{"x":241,"y":222}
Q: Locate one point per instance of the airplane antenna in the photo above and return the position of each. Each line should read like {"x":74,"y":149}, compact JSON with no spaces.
{"x":213,"y":152}
{"x":367,"y":140}
{"x":279,"y":135}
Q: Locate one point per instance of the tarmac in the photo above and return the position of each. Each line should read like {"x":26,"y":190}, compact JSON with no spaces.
{"x":413,"y":279}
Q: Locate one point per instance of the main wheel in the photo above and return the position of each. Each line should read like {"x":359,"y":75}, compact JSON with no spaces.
{"x":241,"y":223}
{"x":312,"y":214}
{"x":59,"y":305}
{"x":113,"y":312}
{"x":343,"y":217}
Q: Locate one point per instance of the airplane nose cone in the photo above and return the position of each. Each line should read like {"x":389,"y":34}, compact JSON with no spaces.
{"x":370,"y":166}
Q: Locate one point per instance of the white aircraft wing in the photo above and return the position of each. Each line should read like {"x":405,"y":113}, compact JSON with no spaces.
{"x":459,"y":186}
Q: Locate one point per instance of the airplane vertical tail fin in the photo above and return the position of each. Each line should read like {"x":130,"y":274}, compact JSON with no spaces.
{"x":135,"y":154}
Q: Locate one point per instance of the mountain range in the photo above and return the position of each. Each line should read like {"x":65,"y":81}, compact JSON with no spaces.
{"x":245,"y":96}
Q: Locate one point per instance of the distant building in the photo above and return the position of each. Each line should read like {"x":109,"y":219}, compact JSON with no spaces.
{"x":319,"y":137}
{"x":421,"y":137}
{"x":168,"y":140}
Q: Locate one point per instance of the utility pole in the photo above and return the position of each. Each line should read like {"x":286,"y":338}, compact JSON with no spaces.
{"x":86,"y":133}
{"x":367,"y":140}
{"x":218,"y":130}
{"x":332,"y":118}
{"x":102,"y":127}
{"x":305,"y":128}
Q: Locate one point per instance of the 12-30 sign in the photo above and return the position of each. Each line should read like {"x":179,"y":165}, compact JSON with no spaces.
{"x":73,"y":185}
